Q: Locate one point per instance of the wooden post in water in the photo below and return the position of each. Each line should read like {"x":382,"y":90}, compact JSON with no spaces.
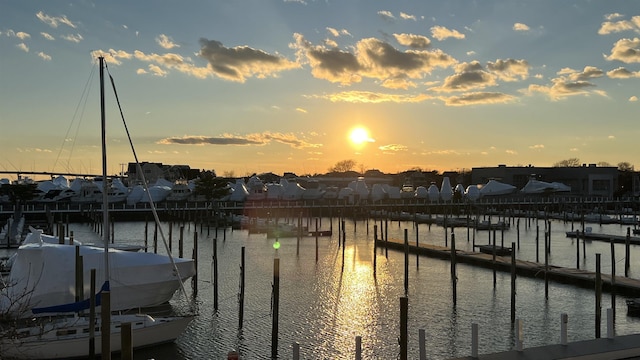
{"x":60,"y":234}
{"x":598,"y":296}
{"x":422,"y":344}
{"x":241,"y":295}
{"x":92,"y":316}
{"x":546,"y":268}
{"x":518,"y":232}
{"x":146,"y":235}
{"x":493,"y":259}
{"x":194,"y":256}
{"x":79,"y":276}
{"x":386,"y":238}
{"x":215,"y":274}
{"x":105,"y":316}
{"x":276,"y":305}
{"x":404,"y":320}
{"x":170,"y":235}
{"x":126,"y":343}
{"x":627,"y":253}
{"x":549,"y":232}
{"x":417,"y":248}
{"x":155,"y":238}
{"x":513,"y":283}
{"x":181,"y":242}
{"x":454,"y":276}
{"x":537,"y":243}
{"x":578,"y":249}
{"x":375,"y":248}
{"x":406,"y":262}
{"x":317,"y":234}
{"x":613,"y":280}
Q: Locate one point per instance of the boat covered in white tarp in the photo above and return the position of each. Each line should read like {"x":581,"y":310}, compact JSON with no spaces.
{"x":433,"y":193}
{"x":43,"y":275}
{"x":472,"y":192}
{"x":446,"y":191}
{"x":495,"y":187}
{"x":378,"y":193}
{"x":543,"y":187}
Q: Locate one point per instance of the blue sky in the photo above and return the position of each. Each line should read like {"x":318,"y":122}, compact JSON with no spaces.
{"x":245,"y":87}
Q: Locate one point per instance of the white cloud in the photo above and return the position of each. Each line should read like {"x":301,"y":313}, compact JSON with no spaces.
{"x":44,"y":56}
{"x":54,"y":21}
{"x":166,"y":42}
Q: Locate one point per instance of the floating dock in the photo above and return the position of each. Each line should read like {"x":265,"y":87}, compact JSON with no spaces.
{"x":619,"y":239}
{"x":584,"y":278}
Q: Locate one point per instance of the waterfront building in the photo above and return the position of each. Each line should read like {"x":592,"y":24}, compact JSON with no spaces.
{"x":586,"y":180}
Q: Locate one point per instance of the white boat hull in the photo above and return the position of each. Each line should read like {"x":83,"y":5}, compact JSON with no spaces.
{"x":69,"y":338}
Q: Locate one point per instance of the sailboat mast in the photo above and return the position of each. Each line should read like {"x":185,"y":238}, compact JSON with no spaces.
{"x":105,"y":199}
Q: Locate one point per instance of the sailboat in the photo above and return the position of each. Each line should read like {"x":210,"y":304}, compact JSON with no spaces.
{"x":70,"y":334}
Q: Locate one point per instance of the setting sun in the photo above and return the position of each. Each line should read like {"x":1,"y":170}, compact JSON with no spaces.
{"x":359,"y":136}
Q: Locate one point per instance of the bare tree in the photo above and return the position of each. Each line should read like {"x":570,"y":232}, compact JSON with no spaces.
{"x":625,"y":166}
{"x":572,"y":162}
{"x":343,"y":166}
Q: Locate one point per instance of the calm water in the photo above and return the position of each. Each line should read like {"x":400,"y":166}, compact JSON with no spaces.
{"x":325,"y":304}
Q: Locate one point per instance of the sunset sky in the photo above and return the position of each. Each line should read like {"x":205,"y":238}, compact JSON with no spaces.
{"x":244,"y":87}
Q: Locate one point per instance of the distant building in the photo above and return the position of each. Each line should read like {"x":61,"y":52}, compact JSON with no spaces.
{"x":588,"y":180}
{"x":154,"y":171}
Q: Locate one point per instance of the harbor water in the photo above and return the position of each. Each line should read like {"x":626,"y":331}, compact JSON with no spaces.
{"x":327,"y":300}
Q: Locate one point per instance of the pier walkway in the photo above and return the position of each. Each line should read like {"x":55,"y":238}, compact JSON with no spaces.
{"x":584,"y":278}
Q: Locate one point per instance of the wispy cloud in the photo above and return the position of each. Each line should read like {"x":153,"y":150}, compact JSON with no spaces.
{"x":406,"y":16}
{"x":259,"y":139}
{"x":55,"y":21}
{"x":76,"y":38}
{"x":386,"y":15}
{"x":44,"y":56}
{"x":393,"y":148}
{"x":166,"y":42}
{"x":479,"y":98}
{"x":372,"y":97}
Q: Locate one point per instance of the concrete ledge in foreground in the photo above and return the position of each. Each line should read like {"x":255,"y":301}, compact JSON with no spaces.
{"x":620,"y":347}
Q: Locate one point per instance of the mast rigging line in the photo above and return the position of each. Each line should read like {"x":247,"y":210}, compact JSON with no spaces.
{"x":144,"y":183}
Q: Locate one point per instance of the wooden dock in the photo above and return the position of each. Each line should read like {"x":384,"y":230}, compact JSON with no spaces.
{"x":622,"y":285}
{"x":619,"y":239}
